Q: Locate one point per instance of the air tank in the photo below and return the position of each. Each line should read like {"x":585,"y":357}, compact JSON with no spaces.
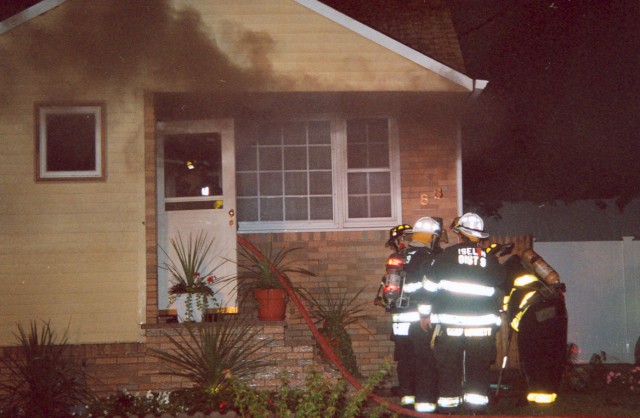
{"x":540,"y":267}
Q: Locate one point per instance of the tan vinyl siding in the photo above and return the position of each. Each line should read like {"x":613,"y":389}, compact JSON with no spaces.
{"x":76,"y":252}
{"x":310,"y":50}
{"x":72,"y":252}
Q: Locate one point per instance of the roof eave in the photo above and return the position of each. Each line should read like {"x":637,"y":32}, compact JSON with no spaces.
{"x":399,"y":48}
{"x":28,"y":14}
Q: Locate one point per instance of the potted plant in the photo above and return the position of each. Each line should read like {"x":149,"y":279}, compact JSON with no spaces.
{"x":192,"y":290}
{"x":264,"y":268}
{"x":332,"y":313}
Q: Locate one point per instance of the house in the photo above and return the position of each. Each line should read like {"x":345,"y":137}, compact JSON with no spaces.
{"x":304,"y":127}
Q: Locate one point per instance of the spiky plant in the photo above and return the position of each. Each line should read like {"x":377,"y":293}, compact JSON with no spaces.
{"x":264,"y":270}
{"x":192,"y":273}
{"x":45,"y":380}
{"x":207,"y":354}
{"x":333,"y":312}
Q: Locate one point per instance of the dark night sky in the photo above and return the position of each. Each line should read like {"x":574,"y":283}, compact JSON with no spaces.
{"x":560,"y":118}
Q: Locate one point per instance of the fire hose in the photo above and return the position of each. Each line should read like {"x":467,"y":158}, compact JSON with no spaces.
{"x":328,"y":350}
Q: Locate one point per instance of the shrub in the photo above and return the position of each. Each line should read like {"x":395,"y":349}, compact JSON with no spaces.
{"x":45,"y":381}
{"x":208,"y":353}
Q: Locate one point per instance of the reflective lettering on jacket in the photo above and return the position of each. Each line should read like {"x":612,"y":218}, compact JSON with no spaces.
{"x":472,"y":256}
{"x":469,"y":332}
{"x":402,"y":321}
{"x":465,"y":284}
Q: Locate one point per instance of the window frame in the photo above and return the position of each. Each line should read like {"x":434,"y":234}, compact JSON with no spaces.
{"x":339,"y":176}
{"x":98,"y":110}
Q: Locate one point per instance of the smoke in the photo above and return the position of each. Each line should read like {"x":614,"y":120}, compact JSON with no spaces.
{"x":121,"y":43}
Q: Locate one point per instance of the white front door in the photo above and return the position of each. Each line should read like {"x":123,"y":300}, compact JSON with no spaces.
{"x":196,"y":193}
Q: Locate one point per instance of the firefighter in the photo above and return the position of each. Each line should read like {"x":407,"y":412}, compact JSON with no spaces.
{"x":402,"y":295}
{"x":391,"y":287}
{"x":466,"y":282}
{"x":536,"y":311}
{"x":424,"y":246}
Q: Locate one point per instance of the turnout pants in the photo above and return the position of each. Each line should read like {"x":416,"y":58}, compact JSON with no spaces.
{"x":426,"y":372}
{"x":464,"y":367}
{"x":404,"y":355}
{"x":542,"y":343}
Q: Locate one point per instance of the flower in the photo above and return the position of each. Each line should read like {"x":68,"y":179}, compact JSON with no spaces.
{"x":628,"y":379}
{"x":192,"y":274}
{"x":198,"y":285}
{"x":192,"y":258}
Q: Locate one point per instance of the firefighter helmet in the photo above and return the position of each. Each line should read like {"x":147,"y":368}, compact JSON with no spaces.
{"x":471,"y":226}
{"x":397,"y":234}
{"x":426,"y":231}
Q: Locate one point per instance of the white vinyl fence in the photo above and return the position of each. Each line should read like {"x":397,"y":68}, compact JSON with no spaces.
{"x":603,"y":294}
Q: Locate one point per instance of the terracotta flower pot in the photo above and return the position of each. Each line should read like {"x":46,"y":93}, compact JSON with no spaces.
{"x":272,"y":304}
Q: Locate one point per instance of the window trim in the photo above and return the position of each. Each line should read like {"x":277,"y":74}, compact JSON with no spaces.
{"x":95,"y":108}
{"x":339,"y":184}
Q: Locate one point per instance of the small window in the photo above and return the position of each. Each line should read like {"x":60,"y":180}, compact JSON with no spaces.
{"x":70,"y":142}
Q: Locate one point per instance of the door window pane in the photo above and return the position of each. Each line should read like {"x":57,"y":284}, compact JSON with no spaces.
{"x":192,"y":165}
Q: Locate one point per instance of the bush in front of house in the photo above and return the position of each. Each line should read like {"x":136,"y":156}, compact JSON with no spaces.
{"x":183,"y":401}
{"x":45,"y":380}
{"x":321,"y":395}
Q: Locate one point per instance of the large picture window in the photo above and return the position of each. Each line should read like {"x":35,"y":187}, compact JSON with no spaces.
{"x":70,"y":142}
{"x":316,"y":174}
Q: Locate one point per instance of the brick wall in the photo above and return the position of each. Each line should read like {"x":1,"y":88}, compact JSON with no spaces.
{"x":132,"y":366}
{"x":343,"y":261}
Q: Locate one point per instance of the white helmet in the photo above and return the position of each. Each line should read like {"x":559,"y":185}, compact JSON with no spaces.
{"x":426,"y":231}
{"x":471,"y":225}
